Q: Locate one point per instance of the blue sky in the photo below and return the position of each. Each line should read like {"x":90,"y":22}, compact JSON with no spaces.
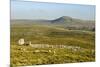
{"x":40,"y":10}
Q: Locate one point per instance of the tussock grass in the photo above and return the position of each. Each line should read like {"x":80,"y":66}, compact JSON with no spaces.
{"x":52,"y":35}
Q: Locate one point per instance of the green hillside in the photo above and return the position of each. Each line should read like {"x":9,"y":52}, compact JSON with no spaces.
{"x":51,"y":34}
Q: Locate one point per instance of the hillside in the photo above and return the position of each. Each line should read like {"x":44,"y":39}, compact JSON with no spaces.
{"x":63,"y":22}
{"x":80,"y":43}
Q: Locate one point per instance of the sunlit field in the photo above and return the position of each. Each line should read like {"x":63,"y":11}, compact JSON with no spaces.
{"x":78,"y":44}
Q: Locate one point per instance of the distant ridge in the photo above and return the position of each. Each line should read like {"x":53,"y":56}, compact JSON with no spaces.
{"x":67,"y":19}
{"x":64,"y":20}
{"x":61,"y":20}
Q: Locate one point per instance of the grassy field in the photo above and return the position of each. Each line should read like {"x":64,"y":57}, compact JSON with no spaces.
{"x":52,"y":35}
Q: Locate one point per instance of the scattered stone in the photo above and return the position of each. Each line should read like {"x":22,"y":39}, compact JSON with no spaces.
{"x":21,"y":41}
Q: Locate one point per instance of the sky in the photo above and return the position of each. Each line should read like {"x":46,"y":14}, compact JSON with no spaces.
{"x":49,"y":11}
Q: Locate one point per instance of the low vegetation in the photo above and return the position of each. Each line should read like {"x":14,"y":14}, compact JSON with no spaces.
{"x":52,"y":35}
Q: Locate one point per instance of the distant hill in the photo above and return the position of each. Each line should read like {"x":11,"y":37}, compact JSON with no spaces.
{"x":73,"y":23}
{"x":61,"y":20}
{"x":64,"y":21}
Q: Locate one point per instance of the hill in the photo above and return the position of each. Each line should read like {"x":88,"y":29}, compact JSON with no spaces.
{"x":63,"y":22}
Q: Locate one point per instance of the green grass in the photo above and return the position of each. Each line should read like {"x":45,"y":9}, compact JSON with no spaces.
{"x":52,"y":35}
